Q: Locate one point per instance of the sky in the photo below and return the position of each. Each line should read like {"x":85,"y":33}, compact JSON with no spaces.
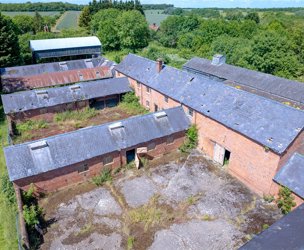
{"x":202,"y":3}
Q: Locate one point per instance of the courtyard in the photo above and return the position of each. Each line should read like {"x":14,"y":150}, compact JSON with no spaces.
{"x":178,"y":201}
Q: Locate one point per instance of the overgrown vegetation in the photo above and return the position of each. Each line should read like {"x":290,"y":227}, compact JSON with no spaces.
{"x":191,"y":140}
{"x":285,"y":200}
{"x":76,"y":115}
{"x":130,"y":104}
{"x":30,"y":125}
{"x":268,"y":198}
{"x":130,"y":242}
{"x":104,"y":176}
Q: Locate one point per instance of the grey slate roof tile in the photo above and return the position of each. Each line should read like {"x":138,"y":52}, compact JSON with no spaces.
{"x":65,"y":149}
{"x":30,"y":100}
{"x":265,"y":121}
{"x":291,"y":174}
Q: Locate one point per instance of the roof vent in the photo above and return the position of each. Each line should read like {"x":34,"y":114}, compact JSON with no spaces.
{"x":89,"y":63}
{"x":42,"y":93}
{"x":270,"y":139}
{"x":80,"y":76}
{"x":97,"y":74}
{"x":38,"y":145}
{"x":161,"y":114}
{"x":88,"y":60}
{"x":116,"y":125}
{"x":74,"y":87}
{"x":218,"y":60}
{"x":63,"y":65}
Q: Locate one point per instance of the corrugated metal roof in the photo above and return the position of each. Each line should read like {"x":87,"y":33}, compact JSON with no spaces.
{"x":291,"y":175}
{"x":276,"y":86}
{"x":64,"y":43}
{"x":265,"y":121}
{"x":286,"y":233}
{"x":50,"y":74}
{"x":30,"y":100}
{"x":58,"y":151}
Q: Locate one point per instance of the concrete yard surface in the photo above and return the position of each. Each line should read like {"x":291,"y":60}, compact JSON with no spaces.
{"x":176,"y":202}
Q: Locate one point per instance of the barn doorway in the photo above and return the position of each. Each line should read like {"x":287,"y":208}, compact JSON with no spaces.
{"x":227,"y":157}
{"x":155,"y":107}
{"x":221,"y":155}
{"x":130,"y":155}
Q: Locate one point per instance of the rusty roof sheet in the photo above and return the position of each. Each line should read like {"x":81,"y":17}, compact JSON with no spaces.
{"x":52,"y":74}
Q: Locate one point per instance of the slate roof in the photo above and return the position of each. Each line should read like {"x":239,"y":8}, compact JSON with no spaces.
{"x":276,"y":86}
{"x":64,"y":43}
{"x":62,"y":150}
{"x":291,"y":175}
{"x":35,"y":99}
{"x":265,"y":121}
{"x":51,"y":74}
{"x":286,"y":233}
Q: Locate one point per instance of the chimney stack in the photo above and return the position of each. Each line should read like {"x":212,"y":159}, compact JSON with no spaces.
{"x":218,"y":59}
{"x":159,"y":65}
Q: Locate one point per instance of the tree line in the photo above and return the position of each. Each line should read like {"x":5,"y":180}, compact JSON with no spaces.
{"x":28,"y":6}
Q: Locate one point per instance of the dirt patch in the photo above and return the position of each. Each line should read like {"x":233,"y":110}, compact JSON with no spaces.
{"x":54,"y":128}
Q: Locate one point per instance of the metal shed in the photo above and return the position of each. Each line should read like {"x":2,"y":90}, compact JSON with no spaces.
{"x":60,"y":47}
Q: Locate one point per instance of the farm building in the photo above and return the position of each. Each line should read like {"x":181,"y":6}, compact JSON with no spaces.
{"x":287,"y":233}
{"x":44,"y":103}
{"x":52,"y":74}
{"x":69,"y":158}
{"x":253,"y":135}
{"x":276,"y":88}
{"x":62,"y":47}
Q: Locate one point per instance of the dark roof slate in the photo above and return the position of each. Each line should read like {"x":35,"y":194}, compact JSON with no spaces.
{"x":83,"y":144}
{"x":30,"y":100}
{"x":291,"y":175}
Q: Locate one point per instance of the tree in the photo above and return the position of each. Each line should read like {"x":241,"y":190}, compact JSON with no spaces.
{"x":9,"y":45}
{"x":25,"y":23}
{"x":253,"y":16}
{"x":85,"y":17}
{"x":133,"y":30}
{"x":38,"y":22}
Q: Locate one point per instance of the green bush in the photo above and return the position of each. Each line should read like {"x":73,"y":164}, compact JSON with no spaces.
{"x":130,"y":103}
{"x":32,"y":215}
{"x":7,"y":189}
{"x":104,"y":176}
{"x":31,"y":125}
{"x":191,"y":140}
{"x":285,"y":200}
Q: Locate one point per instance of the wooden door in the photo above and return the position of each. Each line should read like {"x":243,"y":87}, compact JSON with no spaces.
{"x":219,"y":154}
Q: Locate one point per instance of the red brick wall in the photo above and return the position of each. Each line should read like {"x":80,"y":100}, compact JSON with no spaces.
{"x":66,"y":176}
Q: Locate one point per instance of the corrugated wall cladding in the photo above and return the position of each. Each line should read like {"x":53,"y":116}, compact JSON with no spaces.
{"x":265,"y":121}
{"x":275,"y":86}
{"x":52,"y":74}
{"x":55,"y":152}
{"x":35,"y":99}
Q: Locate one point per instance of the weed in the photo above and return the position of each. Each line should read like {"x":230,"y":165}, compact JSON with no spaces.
{"x":76,"y":115}
{"x":268,"y":198}
{"x":192,"y":200}
{"x":130,"y":242}
{"x":31,"y":125}
{"x":86,"y":228}
{"x":130,"y":165}
{"x":191,"y":140}
{"x":130,"y":104}
{"x":104,"y":176}
{"x":265,"y":226}
{"x":207,"y":217}
{"x":285,"y":200}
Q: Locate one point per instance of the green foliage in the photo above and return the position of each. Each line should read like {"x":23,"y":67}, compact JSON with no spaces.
{"x":9,"y":46}
{"x":253,"y":16}
{"x":104,"y":176}
{"x":77,"y":115}
{"x":268,"y":198}
{"x":191,"y":140}
{"x":39,"y":6}
{"x":85,"y":17}
{"x":31,"y":215}
{"x":7,"y":189}
{"x":130,"y":104}
{"x":30,"y":125}
{"x":130,"y":242}
{"x":285,"y":200}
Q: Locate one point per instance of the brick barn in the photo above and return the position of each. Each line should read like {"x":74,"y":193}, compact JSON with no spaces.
{"x":56,"y":73}
{"x":252,"y":135}
{"x":44,"y":103}
{"x":58,"y":161}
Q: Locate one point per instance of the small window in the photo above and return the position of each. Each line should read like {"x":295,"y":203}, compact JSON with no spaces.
{"x":151,"y":146}
{"x":148,"y":89}
{"x":170,"y":140}
{"x":107,"y":160}
{"x":147,"y":104}
{"x":83,"y":168}
{"x":43,"y":111}
{"x":166,"y":99}
{"x":190,"y":112}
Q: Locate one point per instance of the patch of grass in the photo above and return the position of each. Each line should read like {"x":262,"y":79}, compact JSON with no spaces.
{"x":31,"y":125}
{"x":207,"y":217}
{"x":130,"y":104}
{"x":191,"y":140}
{"x":104,"y":176}
{"x":130,"y":242}
{"x":192,"y":200}
{"x":268,"y":198}
{"x":265,"y":226}
{"x":85,"y":229}
{"x":76,"y":115}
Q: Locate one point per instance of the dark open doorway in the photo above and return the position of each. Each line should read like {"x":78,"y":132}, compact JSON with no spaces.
{"x":130,"y":154}
{"x":227,"y":157}
{"x":155,"y":107}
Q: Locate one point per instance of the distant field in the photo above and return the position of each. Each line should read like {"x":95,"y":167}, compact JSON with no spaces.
{"x":68,"y":20}
{"x":30,"y":13}
{"x":155,"y":16}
